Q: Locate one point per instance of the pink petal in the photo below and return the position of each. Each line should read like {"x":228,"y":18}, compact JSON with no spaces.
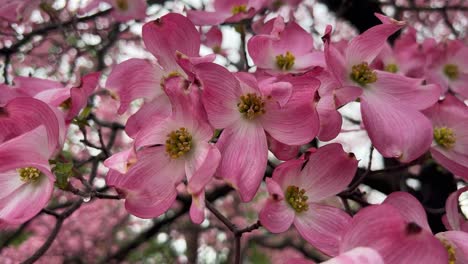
{"x":458,"y":240}
{"x":452,"y":211}
{"x":383,"y":228}
{"x":282,"y":151}
{"x":214,"y":36}
{"x":168,"y":34}
{"x":24,"y":114}
{"x":197,"y":209}
{"x":201,"y":166}
{"x":296,"y":122}
{"x":395,"y":130}
{"x":452,"y":161}
{"x":276,"y":216}
{"x":399,"y":89}
{"x":151,"y":113}
{"x":27,"y":150}
{"x":27,"y":201}
{"x":322,"y":226}
{"x":9,"y":182}
{"x":204,"y":18}
{"x":359,"y":255}
{"x":136,"y":10}
{"x":33,"y":86}
{"x":261,"y":51}
{"x":334,"y":59}
{"x":221,"y":92}
{"x":328,"y":172}
{"x":134,"y":79}
{"x":79,"y":95}
{"x":287,"y":173}
{"x":409,"y":207}
{"x":274,"y":189}
{"x":119,"y":161}
{"x":150,"y":184}
{"x":330,"y":118}
{"x":366,"y":46}
{"x":244,"y":172}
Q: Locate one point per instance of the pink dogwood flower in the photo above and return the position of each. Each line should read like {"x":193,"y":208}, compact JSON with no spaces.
{"x":246,"y":110}
{"x":297,"y":190}
{"x":226,"y":11}
{"x":399,"y":231}
{"x":284,"y":48}
{"x":390,"y":103}
{"x":448,"y":67}
{"x":168,"y":38}
{"x":450,"y":139}
{"x":25,"y":177}
{"x":167,"y":152}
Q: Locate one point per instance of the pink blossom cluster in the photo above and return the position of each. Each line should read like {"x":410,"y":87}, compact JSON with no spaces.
{"x":201,"y":123}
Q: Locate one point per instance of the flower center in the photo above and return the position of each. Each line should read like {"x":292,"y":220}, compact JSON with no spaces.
{"x":122,"y":4}
{"x":251,"y":105}
{"x":393,"y":68}
{"x":363,"y":74}
{"x":178,"y":143}
{"x":285,"y":62}
{"x":444,"y":137}
{"x":296,"y":198}
{"x":29,"y":174}
{"x":239,"y":9}
{"x":66,"y":104}
{"x":451,"y":71}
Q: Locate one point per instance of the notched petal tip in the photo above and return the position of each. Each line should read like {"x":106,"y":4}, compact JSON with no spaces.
{"x":327,"y":35}
{"x":388,"y":20}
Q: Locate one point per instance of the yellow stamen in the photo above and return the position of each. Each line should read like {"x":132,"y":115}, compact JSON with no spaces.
{"x":285,"y":62}
{"x":251,"y":105}
{"x":363,"y":74}
{"x":296,"y":198}
{"x":391,"y":68}
{"x":450,"y":250}
{"x":451,"y":71}
{"x":444,"y":137}
{"x":178,"y":143}
{"x":29,"y":174}
{"x":237,"y":9}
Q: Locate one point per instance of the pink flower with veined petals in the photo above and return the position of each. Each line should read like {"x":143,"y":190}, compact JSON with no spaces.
{"x":284,"y":48}
{"x":25,"y":177}
{"x":246,"y":110}
{"x":169,"y":39}
{"x":226,"y":11}
{"x":295,"y":193}
{"x":399,"y":231}
{"x":167,"y":152}
{"x":450,"y":139}
{"x":454,"y":219}
{"x":390,"y":103}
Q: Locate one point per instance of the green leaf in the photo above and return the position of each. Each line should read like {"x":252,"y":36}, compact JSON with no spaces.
{"x":63,"y":171}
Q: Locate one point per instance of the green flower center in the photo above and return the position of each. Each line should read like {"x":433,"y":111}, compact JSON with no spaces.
{"x":393,"y":68}
{"x":285,"y":62}
{"x":451,"y":71}
{"x":444,"y":137}
{"x":178,"y":143}
{"x":363,"y":74}
{"x":251,"y":105}
{"x":296,"y":198}
{"x":237,"y":9}
{"x":29,"y":174}
{"x":122,"y":4}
